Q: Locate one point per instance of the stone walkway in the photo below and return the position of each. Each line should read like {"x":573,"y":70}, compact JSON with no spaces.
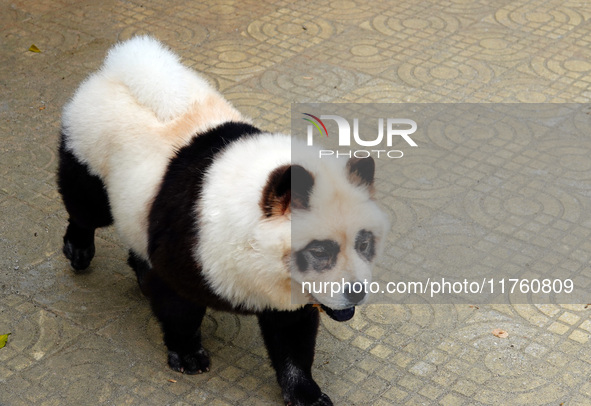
{"x":509,"y":195}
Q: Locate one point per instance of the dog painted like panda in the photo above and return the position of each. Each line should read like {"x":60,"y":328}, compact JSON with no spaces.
{"x":215,"y":212}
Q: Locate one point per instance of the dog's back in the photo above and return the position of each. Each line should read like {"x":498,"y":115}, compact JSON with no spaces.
{"x":126,"y":121}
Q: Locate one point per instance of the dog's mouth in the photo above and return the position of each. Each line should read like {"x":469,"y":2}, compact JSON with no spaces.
{"x":339,"y":315}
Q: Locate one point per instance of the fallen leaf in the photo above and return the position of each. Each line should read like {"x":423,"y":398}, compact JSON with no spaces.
{"x":3,"y":340}
{"x":33,"y":48}
{"x":500,"y":333}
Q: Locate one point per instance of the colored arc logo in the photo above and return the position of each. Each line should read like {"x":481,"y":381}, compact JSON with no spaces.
{"x":315,"y":124}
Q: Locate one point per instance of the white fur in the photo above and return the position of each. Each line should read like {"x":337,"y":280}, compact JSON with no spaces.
{"x":246,"y":257}
{"x":241,"y":252}
{"x":126,"y":120}
{"x":155,"y":76}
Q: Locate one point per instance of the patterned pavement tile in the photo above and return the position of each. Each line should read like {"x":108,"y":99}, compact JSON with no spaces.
{"x":548,"y":19}
{"x":485,"y":193}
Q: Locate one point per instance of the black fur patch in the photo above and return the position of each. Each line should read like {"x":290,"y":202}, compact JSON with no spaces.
{"x":141,"y":267}
{"x":83,"y":194}
{"x":277,"y":192}
{"x":290,"y":338}
{"x":85,"y":198}
{"x":179,"y":294}
{"x":172,"y":232}
{"x":302,"y":183}
{"x":365,"y":244}
{"x":318,"y":255}
{"x":361,"y":171}
{"x":287,"y":185}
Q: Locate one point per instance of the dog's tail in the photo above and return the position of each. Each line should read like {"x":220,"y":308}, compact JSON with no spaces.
{"x":155,"y":76}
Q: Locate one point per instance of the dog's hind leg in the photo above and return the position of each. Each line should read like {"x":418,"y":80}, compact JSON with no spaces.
{"x":87,"y":204}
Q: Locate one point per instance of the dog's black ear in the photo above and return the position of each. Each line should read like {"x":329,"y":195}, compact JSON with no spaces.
{"x":361,"y":171}
{"x":288,"y":187}
{"x":302,"y":183}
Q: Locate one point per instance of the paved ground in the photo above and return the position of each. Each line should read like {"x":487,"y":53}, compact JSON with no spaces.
{"x":512,"y":199}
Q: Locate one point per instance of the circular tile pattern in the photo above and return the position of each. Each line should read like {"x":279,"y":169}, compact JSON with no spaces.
{"x":424,"y":176}
{"x":515,"y":205}
{"x":269,"y":111}
{"x":228,"y":59}
{"x":511,"y":368}
{"x":551,"y":20}
{"x":521,"y":206}
{"x":62,"y":353}
{"x":347,"y":10}
{"x":301,"y":80}
{"x":568,"y":161}
{"x":382,"y":91}
{"x":290,"y":30}
{"x":86,"y":298}
{"x":518,"y":88}
{"x":369,"y":54}
{"x":466,"y":7}
{"x":174,"y":35}
{"x":443,"y":72}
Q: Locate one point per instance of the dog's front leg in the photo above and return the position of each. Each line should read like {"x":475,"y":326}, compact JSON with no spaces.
{"x":290,"y":338}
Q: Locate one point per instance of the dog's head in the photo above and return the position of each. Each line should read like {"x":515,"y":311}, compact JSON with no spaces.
{"x":337,"y":229}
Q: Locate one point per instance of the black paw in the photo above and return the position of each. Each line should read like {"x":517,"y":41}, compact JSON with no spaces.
{"x":79,"y":257}
{"x":301,"y":390}
{"x":323,"y":400}
{"x":194,"y":363}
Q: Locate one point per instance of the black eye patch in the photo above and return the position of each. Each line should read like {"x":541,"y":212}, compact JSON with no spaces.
{"x":365,"y":244}
{"x":318,"y":255}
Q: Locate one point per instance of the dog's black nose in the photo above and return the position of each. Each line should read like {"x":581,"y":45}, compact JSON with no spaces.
{"x":355,"y":292}
{"x":339,"y":315}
